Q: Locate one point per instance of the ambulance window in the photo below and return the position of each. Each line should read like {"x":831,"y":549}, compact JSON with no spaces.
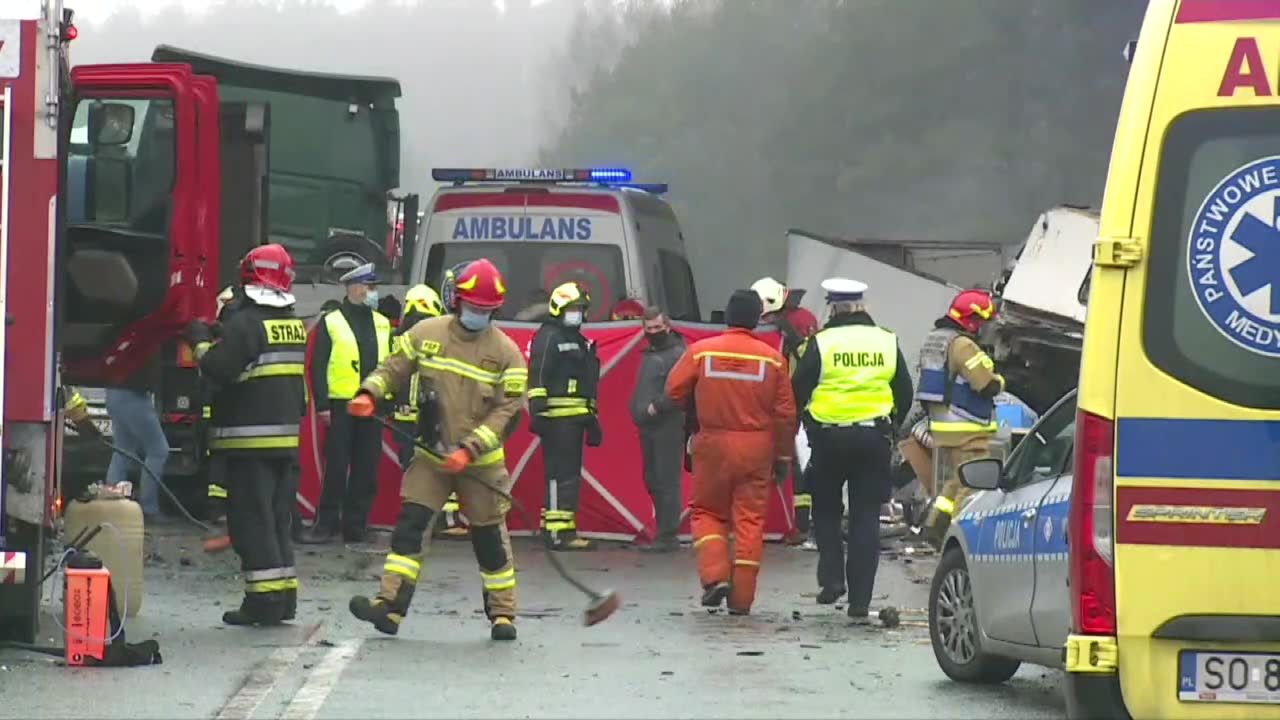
{"x":120,"y":163}
{"x":677,"y":278}
{"x":533,"y":269}
{"x":1212,"y":305}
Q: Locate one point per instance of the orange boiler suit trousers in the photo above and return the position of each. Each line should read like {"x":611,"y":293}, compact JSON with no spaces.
{"x":732,"y":474}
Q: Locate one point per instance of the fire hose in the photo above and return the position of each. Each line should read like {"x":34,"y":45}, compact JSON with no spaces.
{"x":601,"y":605}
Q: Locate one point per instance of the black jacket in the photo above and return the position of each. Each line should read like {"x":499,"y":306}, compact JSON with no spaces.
{"x":360,"y":318}
{"x":562,"y":364}
{"x":256,"y":370}
{"x":809,"y":371}
{"x":651,"y":383}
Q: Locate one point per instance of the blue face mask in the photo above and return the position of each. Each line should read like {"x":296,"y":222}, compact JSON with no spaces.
{"x":474,"y":320}
{"x":372,"y":299}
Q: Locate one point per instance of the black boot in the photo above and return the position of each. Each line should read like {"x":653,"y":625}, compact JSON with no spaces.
{"x":290,"y":604}
{"x":713,"y":595}
{"x":502,"y":629}
{"x":828,"y":596}
{"x":385,"y":615}
{"x":322,"y":533}
{"x":257,"y":609}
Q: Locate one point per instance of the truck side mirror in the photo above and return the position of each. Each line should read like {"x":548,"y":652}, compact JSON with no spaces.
{"x":110,"y":123}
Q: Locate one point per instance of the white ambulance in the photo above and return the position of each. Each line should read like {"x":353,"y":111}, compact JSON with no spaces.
{"x":544,"y":227}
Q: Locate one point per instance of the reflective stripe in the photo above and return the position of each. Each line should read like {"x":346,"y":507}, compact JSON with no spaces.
{"x":514,"y":380}
{"x":457,"y":367}
{"x":749,"y":563}
{"x":709,"y":371}
{"x":254,"y":437}
{"x":501,"y":580}
{"x":201,"y":348}
{"x":451,"y":505}
{"x":488,"y":438}
{"x":705,"y":538}
{"x":944,"y":505}
{"x":407,"y":409}
{"x":538,"y":392}
{"x":270,"y":574}
{"x":565,"y":412}
{"x":858,"y":363}
{"x":266,"y":586}
{"x":277,"y":370}
{"x":566,"y":402}
{"x":344,"y":355}
{"x":559,"y":520}
{"x":493,"y":457}
{"x":403,"y":566}
{"x":217,"y":491}
{"x":961,"y":426}
{"x":241,"y":431}
{"x":802,"y":500}
{"x":737,"y":356}
{"x":77,"y":401}
{"x":207,"y":412}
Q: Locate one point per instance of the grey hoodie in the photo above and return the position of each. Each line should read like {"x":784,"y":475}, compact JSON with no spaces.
{"x":651,"y":382}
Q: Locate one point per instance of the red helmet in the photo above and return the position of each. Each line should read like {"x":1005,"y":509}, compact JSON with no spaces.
{"x":480,"y":284}
{"x":268,"y":266}
{"x":627,"y":309}
{"x":970,"y":308}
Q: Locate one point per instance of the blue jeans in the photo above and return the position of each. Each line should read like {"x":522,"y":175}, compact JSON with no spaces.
{"x":135,"y":427}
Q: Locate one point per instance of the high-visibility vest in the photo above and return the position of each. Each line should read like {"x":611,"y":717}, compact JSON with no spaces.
{"x":858,"y":365}
{"x":344,"y":354}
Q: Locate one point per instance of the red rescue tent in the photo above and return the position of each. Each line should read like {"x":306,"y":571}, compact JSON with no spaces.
{"x":614,"y":503}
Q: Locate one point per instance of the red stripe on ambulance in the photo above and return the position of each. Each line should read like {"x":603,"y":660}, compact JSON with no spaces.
{"x":1199,"y":11}
{"x":580,"y":201}
{"x":1166,"y":502}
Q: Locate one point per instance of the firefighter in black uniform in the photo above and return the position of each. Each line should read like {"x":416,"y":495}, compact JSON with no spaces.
{"x":257,"y":367}
{"x":564,"y":373}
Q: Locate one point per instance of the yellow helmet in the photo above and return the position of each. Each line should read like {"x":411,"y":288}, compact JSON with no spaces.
{"x":424,"y":300}
{"x":567,"y":295}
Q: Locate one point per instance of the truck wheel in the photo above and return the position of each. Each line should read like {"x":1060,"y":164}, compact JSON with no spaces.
{"x":953,"y":627}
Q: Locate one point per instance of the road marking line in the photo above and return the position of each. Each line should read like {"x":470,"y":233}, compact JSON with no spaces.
{"x":262,"y":679}
{"x":321,"y":681}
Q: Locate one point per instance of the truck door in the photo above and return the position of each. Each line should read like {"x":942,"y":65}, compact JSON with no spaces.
{"x":133,"y":237}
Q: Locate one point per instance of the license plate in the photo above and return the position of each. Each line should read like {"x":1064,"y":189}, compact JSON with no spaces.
{"x":1229,"y":677}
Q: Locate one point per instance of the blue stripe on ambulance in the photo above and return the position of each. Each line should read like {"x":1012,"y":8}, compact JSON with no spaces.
{"x":1198,"y":449}
{"x":1046,"y":540}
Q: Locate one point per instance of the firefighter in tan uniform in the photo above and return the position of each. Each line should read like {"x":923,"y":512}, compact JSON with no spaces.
{"x":957,"y":388}
{"x":478,"y":378}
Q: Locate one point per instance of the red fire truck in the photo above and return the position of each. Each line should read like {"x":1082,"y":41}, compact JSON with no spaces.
{"x":123,"y":189}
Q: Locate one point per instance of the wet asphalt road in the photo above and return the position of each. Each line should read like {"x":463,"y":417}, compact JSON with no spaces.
{"x":661,"y":656}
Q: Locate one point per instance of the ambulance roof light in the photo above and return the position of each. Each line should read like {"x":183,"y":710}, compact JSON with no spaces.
{"x":606,"y":176}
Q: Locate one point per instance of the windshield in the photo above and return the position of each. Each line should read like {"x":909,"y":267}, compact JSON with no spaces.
{"x":533,"y":269}
{"x":120,"y":164}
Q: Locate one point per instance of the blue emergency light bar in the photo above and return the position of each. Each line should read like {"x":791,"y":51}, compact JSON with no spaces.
{"x":606,"y":176}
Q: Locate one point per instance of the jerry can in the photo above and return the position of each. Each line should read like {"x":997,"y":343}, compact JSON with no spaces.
{"x":121,"y":552}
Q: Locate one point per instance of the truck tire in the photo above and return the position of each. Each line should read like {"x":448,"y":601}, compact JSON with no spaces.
{"x":953,"y":627}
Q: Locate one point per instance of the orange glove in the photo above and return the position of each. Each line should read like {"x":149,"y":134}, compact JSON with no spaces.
{"x":361,"y":406}
{"x":457,"y":461}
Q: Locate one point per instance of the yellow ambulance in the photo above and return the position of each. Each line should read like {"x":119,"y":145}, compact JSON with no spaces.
{"x":1174,"y":528}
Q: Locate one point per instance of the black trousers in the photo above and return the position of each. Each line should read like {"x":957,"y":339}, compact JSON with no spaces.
{"x":855,"y":457}
{"x":562,"y":471}
{"x":352,"y":449}
{"x":261,"y":494}
{"x":801,"y":481}
{"x":662,"y":449}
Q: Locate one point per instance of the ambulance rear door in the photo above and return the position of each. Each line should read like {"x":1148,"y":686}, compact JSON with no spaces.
{"x":1197,"y":386}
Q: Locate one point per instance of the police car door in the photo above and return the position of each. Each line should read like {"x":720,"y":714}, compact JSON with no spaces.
{"x":1006,"y":545}
{"x":1051,"y":602}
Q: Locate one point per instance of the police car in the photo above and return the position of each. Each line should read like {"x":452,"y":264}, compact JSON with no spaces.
{"x":544,"y":227}
{"x":999,"y":595}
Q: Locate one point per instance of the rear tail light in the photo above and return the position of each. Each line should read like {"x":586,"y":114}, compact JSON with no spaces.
{"x":1090,"y":525}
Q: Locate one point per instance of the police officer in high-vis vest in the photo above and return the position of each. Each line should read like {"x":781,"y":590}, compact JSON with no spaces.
{"x":855,"y":387}
{"x":958,"y":386}
{"x":349,"y":344}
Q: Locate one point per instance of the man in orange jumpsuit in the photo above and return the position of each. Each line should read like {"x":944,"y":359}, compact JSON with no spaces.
{"x":746,"y":419}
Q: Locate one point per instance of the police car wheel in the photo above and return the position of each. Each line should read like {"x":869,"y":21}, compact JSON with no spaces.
{"x":953,"y":627}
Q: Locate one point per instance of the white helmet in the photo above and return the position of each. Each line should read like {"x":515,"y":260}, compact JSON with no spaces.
{"x":773,"y":294}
